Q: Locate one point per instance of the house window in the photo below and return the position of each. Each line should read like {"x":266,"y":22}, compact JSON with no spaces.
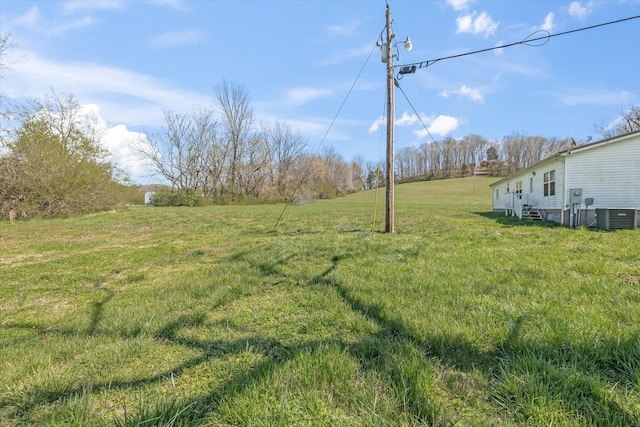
{"x":531,"y":185}
{"x":550,"y":183}
{"x":497,"y":194}
{"x":519,"y":187}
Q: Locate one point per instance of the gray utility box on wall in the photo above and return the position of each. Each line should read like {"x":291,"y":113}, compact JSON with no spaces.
{"x":575,"y":195}
{"x":611,"y":219}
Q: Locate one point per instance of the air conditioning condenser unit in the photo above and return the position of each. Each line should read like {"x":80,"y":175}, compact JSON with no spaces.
{"x":612,"y":219}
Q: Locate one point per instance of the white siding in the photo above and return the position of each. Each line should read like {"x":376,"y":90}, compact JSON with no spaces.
{"x":505,"y":198}
{"x":537,"y":198}
{"x":609,"y":173}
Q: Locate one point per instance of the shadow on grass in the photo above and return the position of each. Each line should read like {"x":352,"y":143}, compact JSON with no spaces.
{"x":514,"y":221}
{"x":520,"y":372}
{"x":97,"y":311}
{"x":576,"y":376}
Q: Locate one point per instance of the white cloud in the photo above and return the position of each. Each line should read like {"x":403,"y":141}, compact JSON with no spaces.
{"x":178,"y":38}
{"x":436,"y":125}
{"x":60,"y":28}
{"x":499,"y":51}
{"x":121,"y":144}
{"x":33,"y":75}
{"x":32,"y":20}
{"x":476,"y":24}
{"x":464,"y":24}
{"x":307,"y":126}
{"x":119,"y":141}
{"x":440,"y":125}
{"x":406,"y":119}
{"x":73,"y":5}
{"x":578,"y":11}
{"x":176,"y":4}
{"x":548,"y":24}
{"x":302,"y":95}
{"x":342,"y":56}
{"x":597,"y":97}
{"x":459,"y":4}
{"x":380,"y":121}
{"x":343,"y":30}
{"x":465,"y":92}
{"x":30,"y":17}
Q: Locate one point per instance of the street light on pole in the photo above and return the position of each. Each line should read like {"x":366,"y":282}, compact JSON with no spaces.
{"x":387,"y":57}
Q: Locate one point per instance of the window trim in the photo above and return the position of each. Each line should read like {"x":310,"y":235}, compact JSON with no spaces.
{"x":549,"y":183}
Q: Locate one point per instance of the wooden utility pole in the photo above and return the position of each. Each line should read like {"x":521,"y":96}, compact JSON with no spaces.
{"x":389,"y":227}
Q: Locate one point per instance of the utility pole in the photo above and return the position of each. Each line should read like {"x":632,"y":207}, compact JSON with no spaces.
{"x":387,"y":58}
{"x":389,"y":212}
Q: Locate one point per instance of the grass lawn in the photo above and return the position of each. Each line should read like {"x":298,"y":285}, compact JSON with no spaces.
{"x":214,"y":316}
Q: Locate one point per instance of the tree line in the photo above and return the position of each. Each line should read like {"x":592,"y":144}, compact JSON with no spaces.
{"x":228,"y":157}
{"x":473,"y":154}
{"x":52,"y":163}
{"x":223,"y":154}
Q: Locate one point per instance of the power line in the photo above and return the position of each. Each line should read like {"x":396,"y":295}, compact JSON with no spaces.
{"x":335,"y":117}
{"x":526,"y":41}
{"x":418,"y":116}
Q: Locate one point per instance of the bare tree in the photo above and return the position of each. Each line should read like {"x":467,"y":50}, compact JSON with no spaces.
{"x":448,"y":147}
{"x":515,"y":151}
{"x":6,"y":44}
{"x":309,"y":174}
{"x":182,"y":153}
{"x":374,"y":174}
{"x":401,"y":163}
{"x":253,"y":170}
{"x":477,"y":147}
{"x":286,"y":147}
{"x":337,"y":171}
{"x":357,"y":172}
{"x":628,"y":121}
{"x":237,"y":122}
{"x":555,"y":145}
{"x":435,"y":156}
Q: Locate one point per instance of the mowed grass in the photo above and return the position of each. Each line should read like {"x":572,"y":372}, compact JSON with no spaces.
{"x":214,"y":316}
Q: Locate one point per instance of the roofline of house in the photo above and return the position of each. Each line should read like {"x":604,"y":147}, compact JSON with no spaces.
{"x":565,"y":153}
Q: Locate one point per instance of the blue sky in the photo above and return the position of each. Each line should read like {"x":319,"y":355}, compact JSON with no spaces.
{"x":130,"y":60}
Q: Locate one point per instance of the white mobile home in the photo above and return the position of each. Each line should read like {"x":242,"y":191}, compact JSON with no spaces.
{"x":585,"y":185}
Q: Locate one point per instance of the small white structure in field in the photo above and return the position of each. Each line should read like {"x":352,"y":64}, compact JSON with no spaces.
{"x":148,"y":198}
{"x":592,"y":184}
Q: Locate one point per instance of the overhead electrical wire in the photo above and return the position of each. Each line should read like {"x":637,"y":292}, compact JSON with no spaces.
{"x":418,"y":115}
{"x":423,"y":64}
{"x":335,"y":117}
{"x":380,"y":145}
{"x":527,"y":41}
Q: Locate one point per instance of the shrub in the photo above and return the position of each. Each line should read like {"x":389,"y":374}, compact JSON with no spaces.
{"x":183,"y":197}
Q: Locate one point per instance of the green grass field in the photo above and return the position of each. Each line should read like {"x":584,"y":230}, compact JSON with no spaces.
{"x":211,"y":316}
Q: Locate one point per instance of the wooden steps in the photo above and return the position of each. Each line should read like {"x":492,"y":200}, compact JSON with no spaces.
{"x":529,"y":212}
